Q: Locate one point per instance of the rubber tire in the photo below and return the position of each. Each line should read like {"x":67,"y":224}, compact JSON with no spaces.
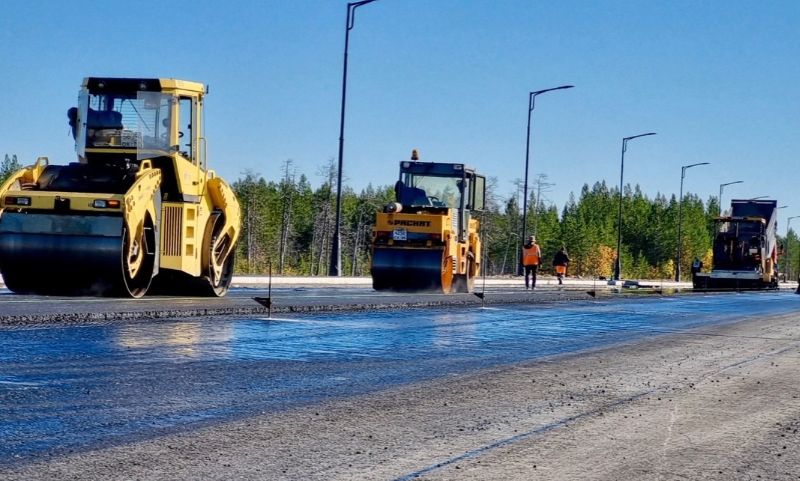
{"x":464,"y":283}
{"x":136,"y":287}
{"x":221,"y":288}
{"x":217,"y":287}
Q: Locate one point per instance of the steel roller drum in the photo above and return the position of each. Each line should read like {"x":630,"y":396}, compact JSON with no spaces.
{"x":415,"y":270}
{"x":61,"y":254}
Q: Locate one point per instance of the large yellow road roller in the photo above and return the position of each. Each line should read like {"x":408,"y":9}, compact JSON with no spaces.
{"x":428,"y":240}
{"x":138,"y":212}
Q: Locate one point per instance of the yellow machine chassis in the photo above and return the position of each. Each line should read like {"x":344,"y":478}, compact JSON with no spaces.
{"x":431,"y":259}
{"x":185,"y":241}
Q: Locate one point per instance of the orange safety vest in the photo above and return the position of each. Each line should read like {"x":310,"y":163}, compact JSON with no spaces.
{"x":531,"y":255}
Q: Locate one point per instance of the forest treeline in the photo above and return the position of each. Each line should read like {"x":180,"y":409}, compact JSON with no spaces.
{"x":288,"y":224}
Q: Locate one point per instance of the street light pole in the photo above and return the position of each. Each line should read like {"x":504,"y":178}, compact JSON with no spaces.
{"x":680,"y":220}
{"x":788,"y":267}
{"x":617,"y":264}
{"x":334,"y":269}
{"x":720,"y":194}
{"x":531,"y":102}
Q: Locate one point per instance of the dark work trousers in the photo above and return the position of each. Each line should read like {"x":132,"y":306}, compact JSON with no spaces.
{"x":531,"y":270}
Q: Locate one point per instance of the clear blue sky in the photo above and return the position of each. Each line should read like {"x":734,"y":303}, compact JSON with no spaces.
{"x":719,"y":81}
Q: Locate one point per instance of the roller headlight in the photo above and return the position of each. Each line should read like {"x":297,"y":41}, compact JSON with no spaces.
{"x":105,"y":204}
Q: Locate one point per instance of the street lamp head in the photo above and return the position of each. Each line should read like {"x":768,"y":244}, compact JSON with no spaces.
{"x":532,"y":97}
{"x":537,"y":92}
{"x":358,"y":4}
{"x":640,"y":135}
{"x":731,"y":183}
{"x":695,"y":165}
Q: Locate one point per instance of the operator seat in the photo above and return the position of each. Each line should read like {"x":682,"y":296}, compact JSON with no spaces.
{"x":103,"y":119}
{"x":411,"y":195}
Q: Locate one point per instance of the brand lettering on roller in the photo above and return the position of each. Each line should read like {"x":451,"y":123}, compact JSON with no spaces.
{"x":411,"y":223}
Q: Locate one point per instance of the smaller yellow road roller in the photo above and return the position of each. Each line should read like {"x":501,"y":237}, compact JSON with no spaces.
{"x":428,"y":241}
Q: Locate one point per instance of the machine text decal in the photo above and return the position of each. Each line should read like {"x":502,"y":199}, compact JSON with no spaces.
{"x":411,"y":223}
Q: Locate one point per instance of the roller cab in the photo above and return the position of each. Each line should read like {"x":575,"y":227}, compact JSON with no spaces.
{"x":428,"y":239}
{"x":138,"y":211}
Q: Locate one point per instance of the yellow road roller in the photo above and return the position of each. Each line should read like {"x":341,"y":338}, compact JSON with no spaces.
{"x":428,"y":241}
{"x":138,"y":212}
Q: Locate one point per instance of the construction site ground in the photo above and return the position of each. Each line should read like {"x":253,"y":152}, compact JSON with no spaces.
{"x":717,"y":402}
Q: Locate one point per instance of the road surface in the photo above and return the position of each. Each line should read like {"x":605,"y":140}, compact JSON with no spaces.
{"x":687,"y":387}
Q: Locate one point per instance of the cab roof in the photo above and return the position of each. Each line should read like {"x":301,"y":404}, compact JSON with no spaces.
{"x":130,"y":85}
{"x":434,"y":168}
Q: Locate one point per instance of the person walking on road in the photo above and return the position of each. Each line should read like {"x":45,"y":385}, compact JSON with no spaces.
{"x":560,"y":262}
{"x":531,"y":257}
{"x":697,"y":266}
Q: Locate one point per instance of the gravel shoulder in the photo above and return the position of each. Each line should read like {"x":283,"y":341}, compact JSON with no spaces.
{"x":716,"y":403}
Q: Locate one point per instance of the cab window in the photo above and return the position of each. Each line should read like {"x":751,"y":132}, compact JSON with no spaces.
{"x":186,"y":138}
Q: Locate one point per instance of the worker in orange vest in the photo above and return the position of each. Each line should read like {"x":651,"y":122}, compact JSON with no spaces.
{"x":531,"y":258}
{"x":560,"y":262}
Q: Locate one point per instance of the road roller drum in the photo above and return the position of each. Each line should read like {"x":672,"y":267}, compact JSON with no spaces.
{"x":84,"y":258}
{"x":418,"y":270}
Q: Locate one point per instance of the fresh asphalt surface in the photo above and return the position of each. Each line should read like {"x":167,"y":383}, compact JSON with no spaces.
{"x":16,"y":308}
{"x":72,"y":387}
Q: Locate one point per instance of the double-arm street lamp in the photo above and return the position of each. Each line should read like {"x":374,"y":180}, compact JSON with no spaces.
{"x":680,"y":220}
{"x":334,"y":269}
{"x":531,"y":101}
{"x":788,"y":264}
{"x":720,"y":193}
{"x":617,"y":264}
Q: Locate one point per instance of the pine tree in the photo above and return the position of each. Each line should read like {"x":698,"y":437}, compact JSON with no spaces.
{"x":8,"y":167}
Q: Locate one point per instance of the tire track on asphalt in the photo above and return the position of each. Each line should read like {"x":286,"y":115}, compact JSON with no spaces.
{"x":503,"y":442}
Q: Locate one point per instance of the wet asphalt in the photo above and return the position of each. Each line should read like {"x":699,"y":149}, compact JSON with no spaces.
{"x":17,"y":309}
{"x":72,"y":387}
